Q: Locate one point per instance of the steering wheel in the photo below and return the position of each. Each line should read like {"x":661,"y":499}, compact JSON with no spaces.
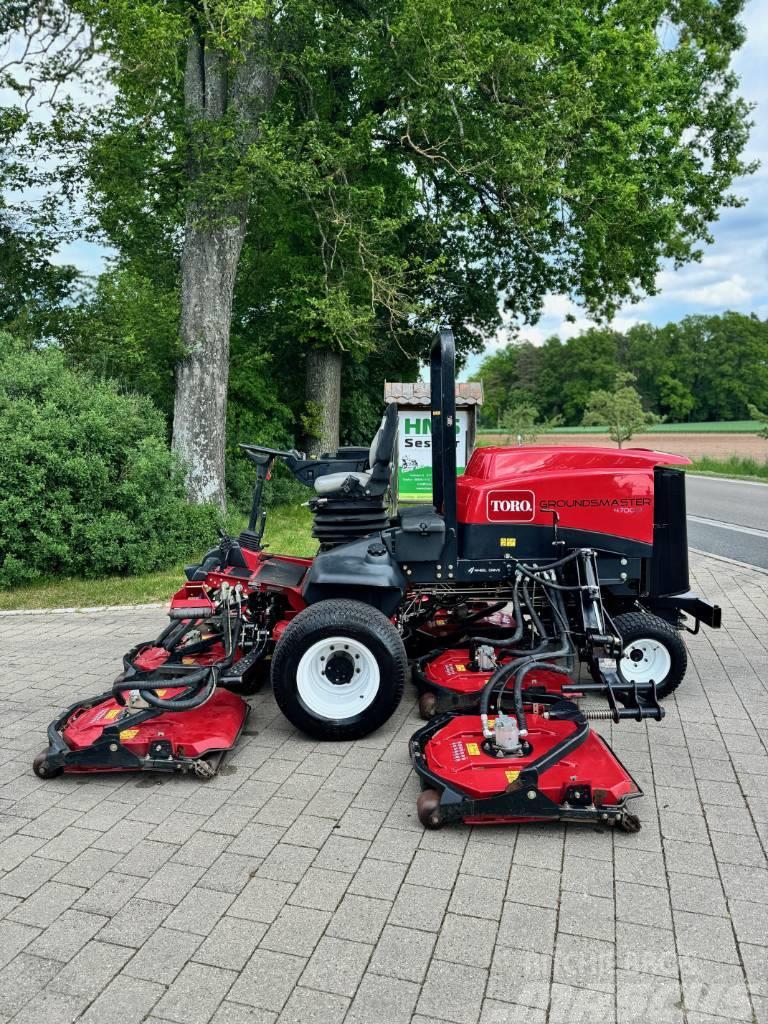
{"x":261,"y":455}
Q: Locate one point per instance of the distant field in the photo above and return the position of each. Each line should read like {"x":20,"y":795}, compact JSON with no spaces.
{"x":717,"y":445}
{"x":731,"y":427}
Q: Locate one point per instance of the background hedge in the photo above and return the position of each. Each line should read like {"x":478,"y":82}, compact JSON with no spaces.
{"x":88,"y":485}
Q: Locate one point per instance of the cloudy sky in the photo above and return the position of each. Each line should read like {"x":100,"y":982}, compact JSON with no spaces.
{"x":733,"y":271}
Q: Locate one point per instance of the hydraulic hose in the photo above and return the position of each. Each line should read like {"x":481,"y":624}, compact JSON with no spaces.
{"x":532,"y":612}
{"x":517,"y":692}
{"x":515,"y":638}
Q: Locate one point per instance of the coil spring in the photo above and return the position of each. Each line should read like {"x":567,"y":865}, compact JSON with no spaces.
{"x":599,"y":713}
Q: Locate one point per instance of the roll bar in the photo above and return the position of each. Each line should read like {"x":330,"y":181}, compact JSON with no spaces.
{"x":442,"y":379}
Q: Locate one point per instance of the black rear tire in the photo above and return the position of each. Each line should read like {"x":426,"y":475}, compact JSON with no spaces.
{"x":636,"y":627}
{"x":359,"y":647}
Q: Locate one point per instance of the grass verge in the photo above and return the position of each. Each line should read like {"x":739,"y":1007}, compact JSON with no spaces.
{"x":745,"y":469}
{"x":288,"y":532}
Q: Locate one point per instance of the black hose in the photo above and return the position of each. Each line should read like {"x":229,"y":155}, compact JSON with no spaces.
{"x":532,"y":612}
{"x":517,"y":692}
{"x":512,"y":640}
{"x":183,"y":703}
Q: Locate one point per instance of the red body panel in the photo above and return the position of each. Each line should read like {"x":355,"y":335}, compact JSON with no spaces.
{"x":600,"y":490}
{"x":455,"y":753}
{"x":212,"y":727}
{"x":450,"y":670}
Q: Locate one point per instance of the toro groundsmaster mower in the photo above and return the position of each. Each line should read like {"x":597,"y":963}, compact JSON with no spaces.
{"x":533,"y":561}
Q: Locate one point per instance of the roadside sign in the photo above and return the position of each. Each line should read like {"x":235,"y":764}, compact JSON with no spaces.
{"x":414,"y":461}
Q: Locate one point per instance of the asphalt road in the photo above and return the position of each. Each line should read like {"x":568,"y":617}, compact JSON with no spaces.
{"x":728,"y":517}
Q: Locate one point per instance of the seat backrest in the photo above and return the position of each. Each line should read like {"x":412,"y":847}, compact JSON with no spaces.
{"x":383,"y":445}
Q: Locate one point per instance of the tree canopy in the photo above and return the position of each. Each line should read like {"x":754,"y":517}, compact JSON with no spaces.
{"x":397,"y":166}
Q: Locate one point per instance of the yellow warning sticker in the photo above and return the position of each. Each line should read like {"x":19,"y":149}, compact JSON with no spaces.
{"x":460,"y":668}
{"x":161,"y":693}
{"x":111,"y":715}
{"x":129,"y":734}
{"x":512,"y":776}
{"x":473,"y":749}
{"x":508,"y":542}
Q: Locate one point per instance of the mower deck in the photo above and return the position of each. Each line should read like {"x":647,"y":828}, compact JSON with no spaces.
{"x":100,"y":735}
{"x":569,"y":774}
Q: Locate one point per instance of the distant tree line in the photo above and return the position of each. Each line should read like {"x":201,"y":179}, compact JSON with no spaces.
{"x":702,"y":369}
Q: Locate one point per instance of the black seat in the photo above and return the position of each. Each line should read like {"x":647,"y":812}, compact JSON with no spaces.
{"x":373,"y":481}
{"x":349,"y":505}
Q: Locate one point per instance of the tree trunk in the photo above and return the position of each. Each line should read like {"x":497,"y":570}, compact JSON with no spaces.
{"x":323,"y":391}
{"x":208,"y":266}
{"x":213,"y":239}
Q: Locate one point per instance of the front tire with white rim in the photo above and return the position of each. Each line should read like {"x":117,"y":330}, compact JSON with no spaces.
{"x":652,"y":650}
{"x":338,"y":670}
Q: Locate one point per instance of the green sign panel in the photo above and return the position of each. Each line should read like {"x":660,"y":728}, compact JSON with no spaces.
{"x":414,"y":465}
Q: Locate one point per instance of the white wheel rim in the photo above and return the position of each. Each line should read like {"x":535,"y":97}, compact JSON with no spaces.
{"x":337,"y":701}
{"x":644,"y":660}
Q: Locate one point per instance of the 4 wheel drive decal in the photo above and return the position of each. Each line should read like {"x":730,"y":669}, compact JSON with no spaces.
{"x":506,"y":506}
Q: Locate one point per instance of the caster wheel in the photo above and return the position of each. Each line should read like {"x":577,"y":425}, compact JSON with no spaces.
{"x":204,"y":769}
{"x":427,"y":706}
{"x":428,"y":809}
{"x":42,"y":768}
{"x":629,"y":822}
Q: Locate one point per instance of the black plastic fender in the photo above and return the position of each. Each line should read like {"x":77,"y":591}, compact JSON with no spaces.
{"x":362,"y":570}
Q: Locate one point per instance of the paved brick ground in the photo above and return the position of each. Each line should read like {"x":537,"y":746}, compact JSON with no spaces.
{"x":299,"y":887}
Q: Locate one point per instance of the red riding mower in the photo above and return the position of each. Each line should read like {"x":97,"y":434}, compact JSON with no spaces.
{"x":572,"y":554}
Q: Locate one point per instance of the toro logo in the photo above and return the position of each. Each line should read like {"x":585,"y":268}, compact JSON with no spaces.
{"x":511,"y":506}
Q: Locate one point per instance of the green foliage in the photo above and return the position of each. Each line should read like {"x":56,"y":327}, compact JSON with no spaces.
{"x":620,"y":407}
{"x":702,"y":368}
{"x":87,"y":484}
{"x":735,"y":466}
{"x":761,"y":417}
{"x":522,"y":424}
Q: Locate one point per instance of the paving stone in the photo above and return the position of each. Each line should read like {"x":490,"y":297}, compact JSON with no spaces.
{"x":171,"y":883}
{"x":585,"y":963}
{"x":593,"y":917}
{"x":109,"y":894}
{"x":195,"y":994}
{"x":124,"y":1001}
{"x":539,"y":887}
{"x":697,"y":894}
{"x":394,"y":844}
{"x":47,"y":903}
{"x":647,"y":997}
{"x":377,"y":878}
{"x":573,"y":1005}
{"x":473,"y":897}
{"x":309,"y":830}
{"x":321,"y":889}
{"x":383,"y":1000}
{"x":134,"y":924}
{"x":68,"y":934}
{"x":91,"y":970}
{"x":52,"y":1007}
{"x":647,"y":950}
{"x":359,"y":918}
{"x":339,"y":853}
{"x":453,"y":992}
{"x":231,"y":943}
{"x":520,"y":977}
{"x":28,"y":877}
{"x":296,"y":930}
{"x":307,"y":1006}
{"x":403,"y":953}
{"x":287,"y":863}
{"x":199,"y":911}
{"x":434,"y":870}
{"x":337,"y":965}
{"x":706,"y":937}
{"x":496,"y":1012}
{"x":419,"y":907}
{"x":523,"y":926}
{"x":750,"y":921}
{"x":712,"y":988}
{"x":261,"y":900}
{"x":236,"y":1013}
{"x":162,"y":956}
{"x":267,"y":980}
{"x":230,"y":872}
{"x":21,"y":979}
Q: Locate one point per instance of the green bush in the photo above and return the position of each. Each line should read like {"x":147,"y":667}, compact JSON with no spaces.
{"x":88,"y":485}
